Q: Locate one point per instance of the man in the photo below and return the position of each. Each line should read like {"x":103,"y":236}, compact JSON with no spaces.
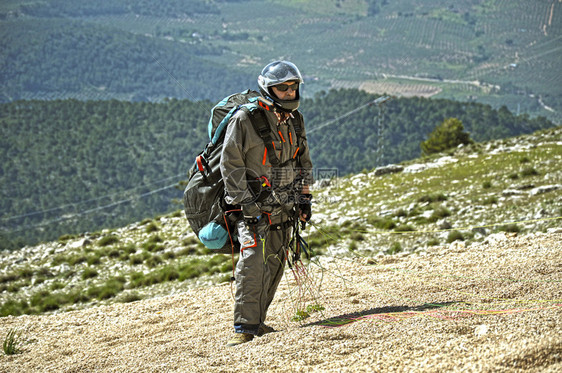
{"x":269,"y":192}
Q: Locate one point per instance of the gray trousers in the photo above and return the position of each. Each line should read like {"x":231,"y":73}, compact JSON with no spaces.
{"x":258,"y":273}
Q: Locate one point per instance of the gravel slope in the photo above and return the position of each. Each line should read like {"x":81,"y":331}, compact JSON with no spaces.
{"x":494,"y":306}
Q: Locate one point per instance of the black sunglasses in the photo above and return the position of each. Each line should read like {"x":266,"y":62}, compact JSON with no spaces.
{"x":284,"y":87}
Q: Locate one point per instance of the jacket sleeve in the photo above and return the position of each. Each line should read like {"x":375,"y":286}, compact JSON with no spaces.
{"x":233,"y":161}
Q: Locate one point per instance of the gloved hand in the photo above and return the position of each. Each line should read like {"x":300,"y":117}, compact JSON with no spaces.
{"x":305,"y":206}
{"x":252,"y":223}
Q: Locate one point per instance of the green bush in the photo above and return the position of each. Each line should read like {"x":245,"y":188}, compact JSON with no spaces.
{"x":151,"y":227}
{"x":529,"y":171}
{"x":52,"y":302}
{"x":8,"y":277}
{"x":14,"y":308}
{"x":454,"y":236}
{"x":126,"y":251}
{"x":433,"y":197}
{"x":137,"y":279}
{"x":400,"y":213}
{"x":449,"y":134}
{"x":113,"y":253}
{"x":108,"y":290}
{"x":189,"y":241}
{"x":357,"y":236}
{"x":396,"y":247}
{"x":491,"y":200}
{"x":136,"y":259}
{"x":89,"y":273}
{"x":439,"y":213}
{"x":67,"y":237}
{"x":513,"y":228}
{"x":152,"y":244}
{"x":130,"y":297}
{"x":226,"y":267}
{"x":154,"y":261}
{"x":77,"y":259}
{"x":108,"y":240}
{"x":404,"y":228}
{"x":93,"y":259}
{"x":57,"y":285}
{"x":381,"y":223}
{"x":323,"y":237}
{"x":433,"y":242}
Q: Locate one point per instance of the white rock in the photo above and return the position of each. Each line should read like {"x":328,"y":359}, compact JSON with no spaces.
{"x":545,"y":189}
{"x":481,"y":330}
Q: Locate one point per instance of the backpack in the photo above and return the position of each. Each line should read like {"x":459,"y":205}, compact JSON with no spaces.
{"x":209,"y":216}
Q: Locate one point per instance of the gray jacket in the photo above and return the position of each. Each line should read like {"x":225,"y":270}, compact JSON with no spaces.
{"x":244,"y":159}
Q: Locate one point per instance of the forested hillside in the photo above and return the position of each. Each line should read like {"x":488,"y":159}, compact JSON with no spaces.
{"x":353,"y":143}
{"x":71,"y":166}
{"x":497,"y":52}
{"x":73,"y":59}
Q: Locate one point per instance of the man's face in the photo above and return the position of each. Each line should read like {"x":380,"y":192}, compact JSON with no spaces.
{"x":286,"y":91}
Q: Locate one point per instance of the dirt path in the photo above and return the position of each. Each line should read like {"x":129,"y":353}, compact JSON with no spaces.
{"x":495,"y":306}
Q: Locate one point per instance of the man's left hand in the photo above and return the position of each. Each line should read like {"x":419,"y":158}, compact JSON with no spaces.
{"x":305,"y":207}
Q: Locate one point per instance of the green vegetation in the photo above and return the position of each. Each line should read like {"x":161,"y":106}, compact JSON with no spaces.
{"x":454,"y":236}
{"x":513,"y":228}
{"x":449,"y":134}
{"x":140,"y":50}
{"x":396,"y":247}
{"x":12,"y":342}
{"x":364,"y":215}
{"x":97,"y":286}
{"x":108,"y":240}
{"x":303,"y":314}
{"x":77,"y":59}
{"x":90,"y":180}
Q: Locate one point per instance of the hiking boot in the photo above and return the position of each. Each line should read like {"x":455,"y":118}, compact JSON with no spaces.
{"x":240,"y":338}
{"x":264,"y":329}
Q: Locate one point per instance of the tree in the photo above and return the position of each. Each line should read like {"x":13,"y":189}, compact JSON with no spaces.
{"x":449,"y":134}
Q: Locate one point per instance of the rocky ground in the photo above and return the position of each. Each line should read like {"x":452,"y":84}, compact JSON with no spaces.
{"x":490,"y":306}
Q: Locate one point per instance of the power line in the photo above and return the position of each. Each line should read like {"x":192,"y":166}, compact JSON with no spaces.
{"x":86,"y":201}
{"x":378,"y":101}
{"x":86,"y":212}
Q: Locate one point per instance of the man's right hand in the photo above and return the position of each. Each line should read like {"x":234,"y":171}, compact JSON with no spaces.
{"x":252,"y":215}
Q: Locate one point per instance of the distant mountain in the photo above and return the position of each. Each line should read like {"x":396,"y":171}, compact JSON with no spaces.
{"x":56,"y":58}
{"x":498,"y":53}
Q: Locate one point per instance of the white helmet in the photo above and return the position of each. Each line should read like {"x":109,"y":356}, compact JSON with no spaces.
{"x":276,"y":73}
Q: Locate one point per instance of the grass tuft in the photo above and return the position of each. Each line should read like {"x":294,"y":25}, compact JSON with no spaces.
{"x":454,"y":236}
{"x":108,"y":240}
{"x":12,"y":343}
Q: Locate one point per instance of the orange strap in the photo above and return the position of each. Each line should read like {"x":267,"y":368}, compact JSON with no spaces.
{"x":264,"y":156}
{"x":280,"y":134}
{"x":296,"y":152}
